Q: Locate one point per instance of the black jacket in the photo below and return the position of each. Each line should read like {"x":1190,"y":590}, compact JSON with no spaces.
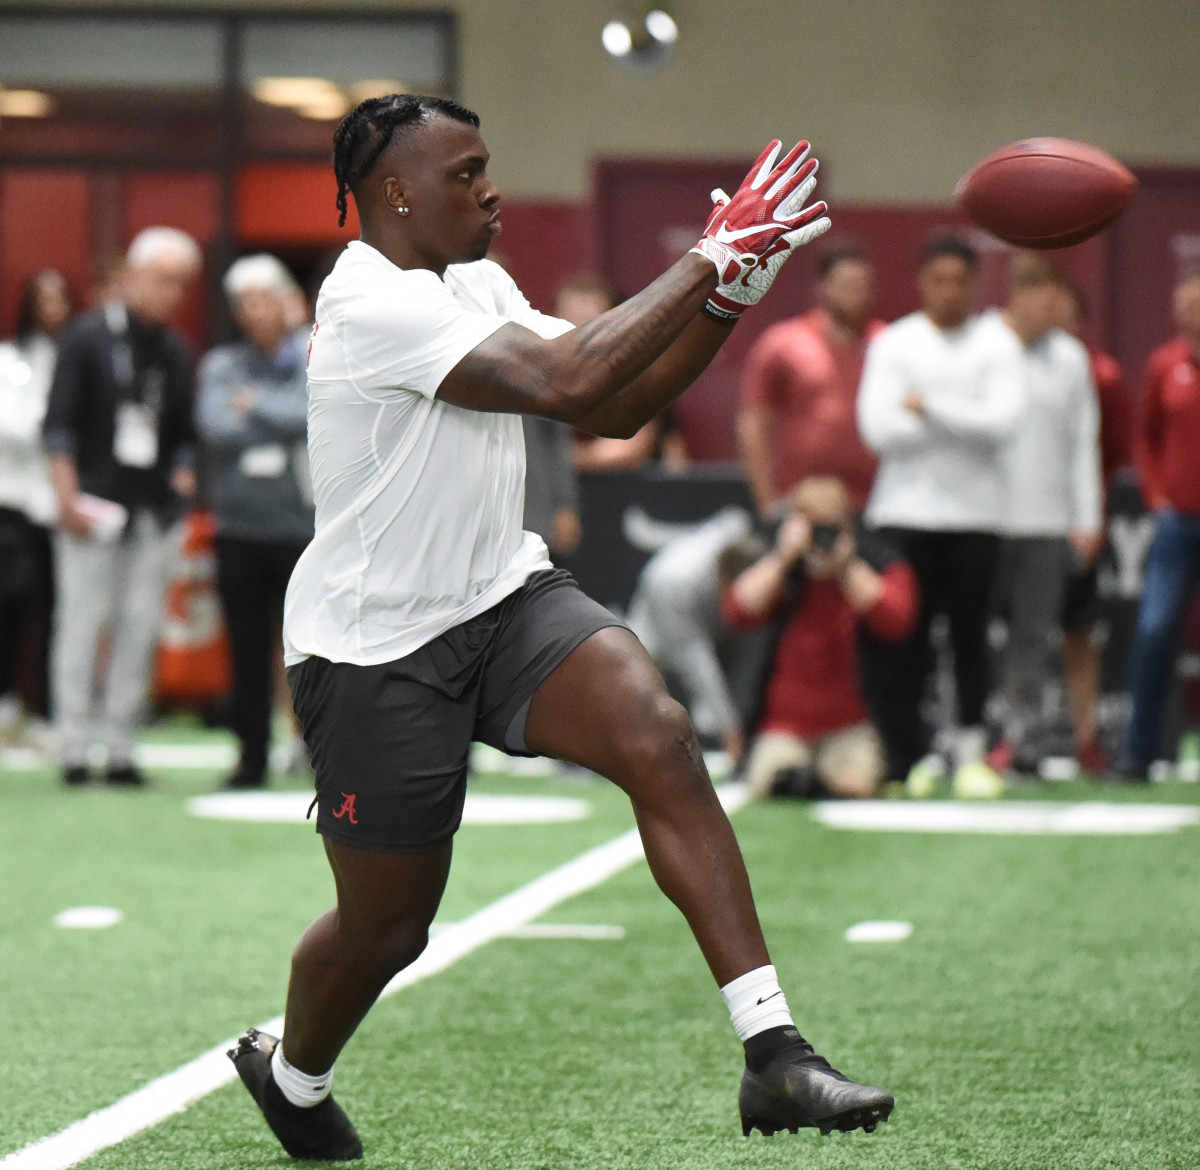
{"x":108,"y":358}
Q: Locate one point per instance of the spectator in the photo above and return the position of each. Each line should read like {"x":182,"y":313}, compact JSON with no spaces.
{"x":120,"y":438}
{"x":27,"y":497}
{"x":942,"y":392}
{"x":1052,"y":513}
{"x":582,"y":299}
{"x":800,"y":384}
{"x":1082,"y":608}
{"x":252,"y":413}
{"x":1168,"y":461}
{"x":818,"y":585}
{"x":676,"y":612}
{"x":551,"y":486}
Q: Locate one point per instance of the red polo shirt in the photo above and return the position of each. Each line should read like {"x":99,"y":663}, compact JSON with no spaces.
{"x":1168,"y":448}
{"x":813,"y":689}
{"x":809,"y":387}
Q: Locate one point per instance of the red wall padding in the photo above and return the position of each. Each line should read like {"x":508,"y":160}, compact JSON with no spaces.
{"x":45,"y":222}
{"x":291,"y":204}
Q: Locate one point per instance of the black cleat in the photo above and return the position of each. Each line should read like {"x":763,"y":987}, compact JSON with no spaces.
{"x":800,"y":1089}
{"x":124,"y":776}
{"x":321,"y":1134}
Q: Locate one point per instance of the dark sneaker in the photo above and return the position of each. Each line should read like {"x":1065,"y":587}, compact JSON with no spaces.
{"x":801,"y":1089}
{"x":1127,"y":772}
{"x":76,"y":775}
{"x":124,"y":776}
{"x":321,"y":1134}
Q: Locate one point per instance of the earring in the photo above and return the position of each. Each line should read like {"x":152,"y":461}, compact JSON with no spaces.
{"x":401,"y":210}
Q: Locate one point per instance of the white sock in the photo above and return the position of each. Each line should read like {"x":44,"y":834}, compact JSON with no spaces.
{"x":756,"y":1002}
{"x":970,"y":745}
{"x":298,"y":1087}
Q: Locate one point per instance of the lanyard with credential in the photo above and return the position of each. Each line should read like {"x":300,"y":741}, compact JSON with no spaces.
{"x":124,"y":373}
{"x":135,"y":433}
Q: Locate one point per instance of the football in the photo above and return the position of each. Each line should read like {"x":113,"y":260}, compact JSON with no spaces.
{"x":1046,"y":192}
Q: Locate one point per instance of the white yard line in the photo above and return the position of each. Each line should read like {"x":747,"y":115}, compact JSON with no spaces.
{"x":174,"y":1092}
{"x":1096,"y":818}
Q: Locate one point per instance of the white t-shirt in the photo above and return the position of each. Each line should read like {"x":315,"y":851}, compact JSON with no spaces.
{"x":941,"y":469}
{"x":26,"y":371}
{"x":418,"y":502}
{"x":1052,"y":465}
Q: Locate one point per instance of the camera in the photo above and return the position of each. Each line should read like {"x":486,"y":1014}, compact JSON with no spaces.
{"x":824,"y":537}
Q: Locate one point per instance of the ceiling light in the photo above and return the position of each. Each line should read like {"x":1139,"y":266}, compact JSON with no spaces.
{"x":661,"y":27}
{"x":643,"y":41}
{"x":324,"y":107}
{"x":25,"y":103}
{"x":293,"y":91}
{"x":616,"y":38}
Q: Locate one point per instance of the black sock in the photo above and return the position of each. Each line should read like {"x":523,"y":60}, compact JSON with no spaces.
{"x":763,"y":1047}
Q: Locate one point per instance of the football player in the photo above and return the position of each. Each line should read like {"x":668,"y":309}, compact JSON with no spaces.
{"x":421,"y":617}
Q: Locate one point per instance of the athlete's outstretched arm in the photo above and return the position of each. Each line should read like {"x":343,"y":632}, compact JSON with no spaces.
{"x":572,"y":376}
{"x":615,"y":373}
{"x":680,"y":364}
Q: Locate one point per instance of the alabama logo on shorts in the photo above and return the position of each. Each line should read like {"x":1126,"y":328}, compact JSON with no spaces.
{"x":347,"y":809}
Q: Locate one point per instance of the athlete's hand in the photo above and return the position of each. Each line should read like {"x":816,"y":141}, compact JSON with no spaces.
{"x":748,"y":237}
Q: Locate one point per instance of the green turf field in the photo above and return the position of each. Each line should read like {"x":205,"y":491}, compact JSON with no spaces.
{"x":1042,"y":1014}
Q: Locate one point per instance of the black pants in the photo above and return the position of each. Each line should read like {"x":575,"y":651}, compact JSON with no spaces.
{"x":956,"y":571}
{"x":26,"y":608}
{"x":252,"y":576}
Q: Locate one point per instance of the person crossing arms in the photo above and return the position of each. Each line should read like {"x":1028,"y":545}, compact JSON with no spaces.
{"x":942,"y":394}
{"x":422,"y":617}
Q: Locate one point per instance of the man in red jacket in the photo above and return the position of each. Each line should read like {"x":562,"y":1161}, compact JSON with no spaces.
{"x":1168,"y":461}
{"x":818,"y":586}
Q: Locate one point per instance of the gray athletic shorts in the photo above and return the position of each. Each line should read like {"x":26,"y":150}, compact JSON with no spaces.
{"x":390,"y":743}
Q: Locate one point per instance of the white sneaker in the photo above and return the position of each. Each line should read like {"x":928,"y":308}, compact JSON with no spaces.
{"x":977,"y":781}
{"x":924,"y":777}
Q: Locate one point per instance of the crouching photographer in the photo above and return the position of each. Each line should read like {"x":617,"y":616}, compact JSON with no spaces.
{"x":820,"y":588}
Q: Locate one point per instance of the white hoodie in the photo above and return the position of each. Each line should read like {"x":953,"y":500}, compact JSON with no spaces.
{"x":941,"y":469}
{"x":1052,"y":466}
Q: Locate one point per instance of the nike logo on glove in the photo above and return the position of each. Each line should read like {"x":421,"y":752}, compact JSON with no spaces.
{"x":765,"y":998}
{"x":724,"y":235}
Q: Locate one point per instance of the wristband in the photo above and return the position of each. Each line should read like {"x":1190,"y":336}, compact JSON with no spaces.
{"x":719,"y":313}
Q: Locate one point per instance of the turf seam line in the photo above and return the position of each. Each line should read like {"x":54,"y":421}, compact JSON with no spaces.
{"x":172,"y":1093}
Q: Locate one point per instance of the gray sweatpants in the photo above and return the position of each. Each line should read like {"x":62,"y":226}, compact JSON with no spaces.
{"x":1032,"y":581}
{"x":684,"y":647}
{"x":118,"y":587}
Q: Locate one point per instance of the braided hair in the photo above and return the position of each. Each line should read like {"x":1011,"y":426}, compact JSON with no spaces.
{"x":364,"y":133}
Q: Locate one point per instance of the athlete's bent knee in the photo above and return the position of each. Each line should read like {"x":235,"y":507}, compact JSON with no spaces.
{"x":383,"y":946}
{"x":401,"y":945}
{"x":661,"y":746}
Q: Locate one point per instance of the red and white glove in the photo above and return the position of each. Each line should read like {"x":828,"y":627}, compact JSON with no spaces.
{"x":750,"y":236}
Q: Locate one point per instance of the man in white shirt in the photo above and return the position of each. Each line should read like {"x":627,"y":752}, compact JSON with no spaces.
{"x":1052,"y":518}
{"x":941,"y":394}
{"x":422,"y":617}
